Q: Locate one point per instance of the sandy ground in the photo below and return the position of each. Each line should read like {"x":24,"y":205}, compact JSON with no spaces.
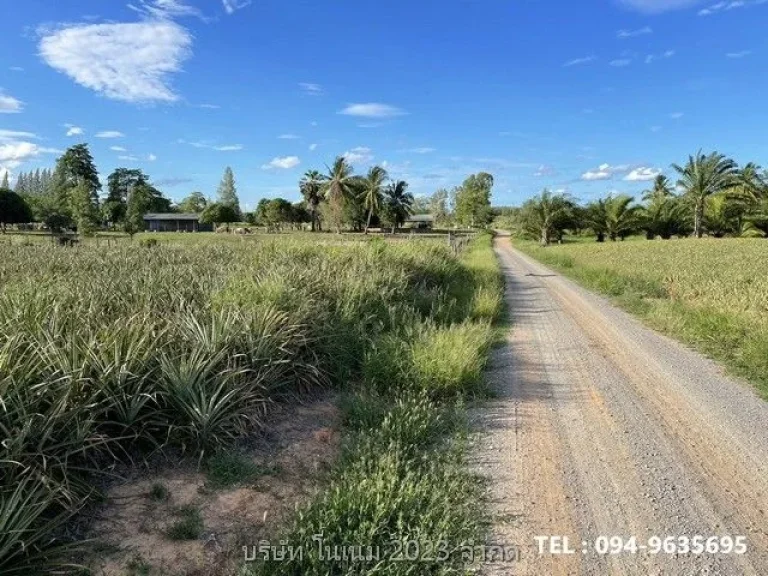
{"x":300,"y":443}
{"x":602,"y":427}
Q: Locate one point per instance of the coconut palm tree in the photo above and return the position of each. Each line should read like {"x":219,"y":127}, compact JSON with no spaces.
{"x":749,"y":184}
{"x":621,"y":217}
{"x":339,"y":185}
{"x":661,"y":189}
{"x":311,"y":188}
{"x":398,"y":203}
{"x":371,"y":192}
{"x":701,"y":177}
{"x":546,"y":215}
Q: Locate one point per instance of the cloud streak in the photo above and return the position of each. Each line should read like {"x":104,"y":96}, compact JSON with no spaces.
{"x":579,"y":61}
{"x":624,"y":34}
{"x":372,"y":110}
{"x":9,"y":104}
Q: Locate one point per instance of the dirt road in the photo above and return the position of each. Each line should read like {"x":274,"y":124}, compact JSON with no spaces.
{"x":602,"y":427}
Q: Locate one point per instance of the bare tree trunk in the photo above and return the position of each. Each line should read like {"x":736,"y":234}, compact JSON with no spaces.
{"x":544,"y":241}
{"x":698,"y":216}
{"x":368,"y":223}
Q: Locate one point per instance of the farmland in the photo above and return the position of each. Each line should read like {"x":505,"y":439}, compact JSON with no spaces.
{"x":710,"y":293}
{"x":111,"y":356}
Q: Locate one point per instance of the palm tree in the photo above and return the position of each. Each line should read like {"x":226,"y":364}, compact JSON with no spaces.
{"x":750,"y":184}
{"x":311,"y":189}
{"x":546,"y":215}
{"x":339,"y":185}
{"x":398,"y":203}
{"x":595,"y":217}
{"x":621,"y":217}
{"x":661,"y":189}
{"x":371,"y":192}
{"x":703,"y":176}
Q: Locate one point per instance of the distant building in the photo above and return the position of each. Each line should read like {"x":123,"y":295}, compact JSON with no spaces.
{"x":420,"y":221}
{"x":175,"y":223}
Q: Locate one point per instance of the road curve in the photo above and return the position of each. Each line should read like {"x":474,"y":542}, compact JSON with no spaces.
{"x":603,"y":427}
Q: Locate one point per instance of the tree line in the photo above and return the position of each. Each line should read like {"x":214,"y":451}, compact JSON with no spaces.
{"x":712,"y":195}
{"x":71,"y":197}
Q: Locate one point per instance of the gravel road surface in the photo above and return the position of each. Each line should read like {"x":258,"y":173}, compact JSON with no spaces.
{"x":602,"y":427}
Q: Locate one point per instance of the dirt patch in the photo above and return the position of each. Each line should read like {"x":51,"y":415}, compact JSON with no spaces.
{"x":298,"y":444}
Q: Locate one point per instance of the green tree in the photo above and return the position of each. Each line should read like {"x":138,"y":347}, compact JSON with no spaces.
{"x":137,"y":205}
{"x":311,"y":186}
{"x":227,"y":192}
{"x":472,"y":203}
{"x":371,"y":194}
{"x":722,"y":216}
{"x":398,"y":202}
{"x":13,"y":209}
{"x":664,"y":216}
{"x":546,"y":216}
{"x":84,"y":213}
{"x":217,"y":213}
{"x":701,"y":177}
{"x":438,"y":206}
{"x":195,"y":203}
{"x":338,"y":187}
{"x":4,"y":185}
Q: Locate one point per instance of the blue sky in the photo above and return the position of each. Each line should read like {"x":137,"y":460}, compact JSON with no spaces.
{"x":588,"y":97}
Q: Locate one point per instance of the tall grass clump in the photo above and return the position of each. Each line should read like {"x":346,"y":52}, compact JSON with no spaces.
{"x":403,"y":480}
{"x":109,"y":355}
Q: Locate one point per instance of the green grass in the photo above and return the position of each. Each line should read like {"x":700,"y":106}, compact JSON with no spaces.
{"x":159,"y":492}
{"x":227,"y":469}
{"x":188,"y":526}
{"x":709,"y":293}
{"x":403,"y":474}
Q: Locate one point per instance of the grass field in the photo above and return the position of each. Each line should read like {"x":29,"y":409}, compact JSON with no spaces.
{"x":109,"y":355}
{"x":710,"y":293}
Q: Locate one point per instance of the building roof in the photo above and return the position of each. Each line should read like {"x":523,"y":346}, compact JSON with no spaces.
{"x":420,"y":218}
{"x":172,"y":216}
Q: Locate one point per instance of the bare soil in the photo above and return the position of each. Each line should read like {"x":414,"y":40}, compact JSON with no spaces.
{"x":297,"y":446}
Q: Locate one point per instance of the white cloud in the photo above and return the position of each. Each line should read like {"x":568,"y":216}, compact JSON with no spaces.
{"x":220,"y":148}
{"x":73,"y":130}
{"x":604,"y":172}
{"x":311,"y":88}
{"x":420,"y":150}
{"x":164,"y":9}
{"x":741,"y":54}
{"x":151,"y":157}
{"x":14,"y":152}
{"x":210,"y":106}
{"x":231,"y":6}
{"x":620,"y":62}
{"x":656,"y":128}
{"x":313,"y":147}
{"x":372,"y":110}
{"x":676,"y":115}
{"x":358,"y":155}
{"x":9,"y":104}
{"x":12,"y":135}
{"x":128,"y":157}
{"x":651,"y":57}
{"x":117,"y":149}
{"x":642,"y":174}
{"x":288,"y":137}
{"x":123,"y":61}
{"x":658,"y":6}
{"x":578,"y":61}
{"x":109,"y":134}
{"x":284,"y":163}
{"x":730,"y":5}
{"x":633,"y":33}
{"x":16,"y":69}
{"x":544,"y":170}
